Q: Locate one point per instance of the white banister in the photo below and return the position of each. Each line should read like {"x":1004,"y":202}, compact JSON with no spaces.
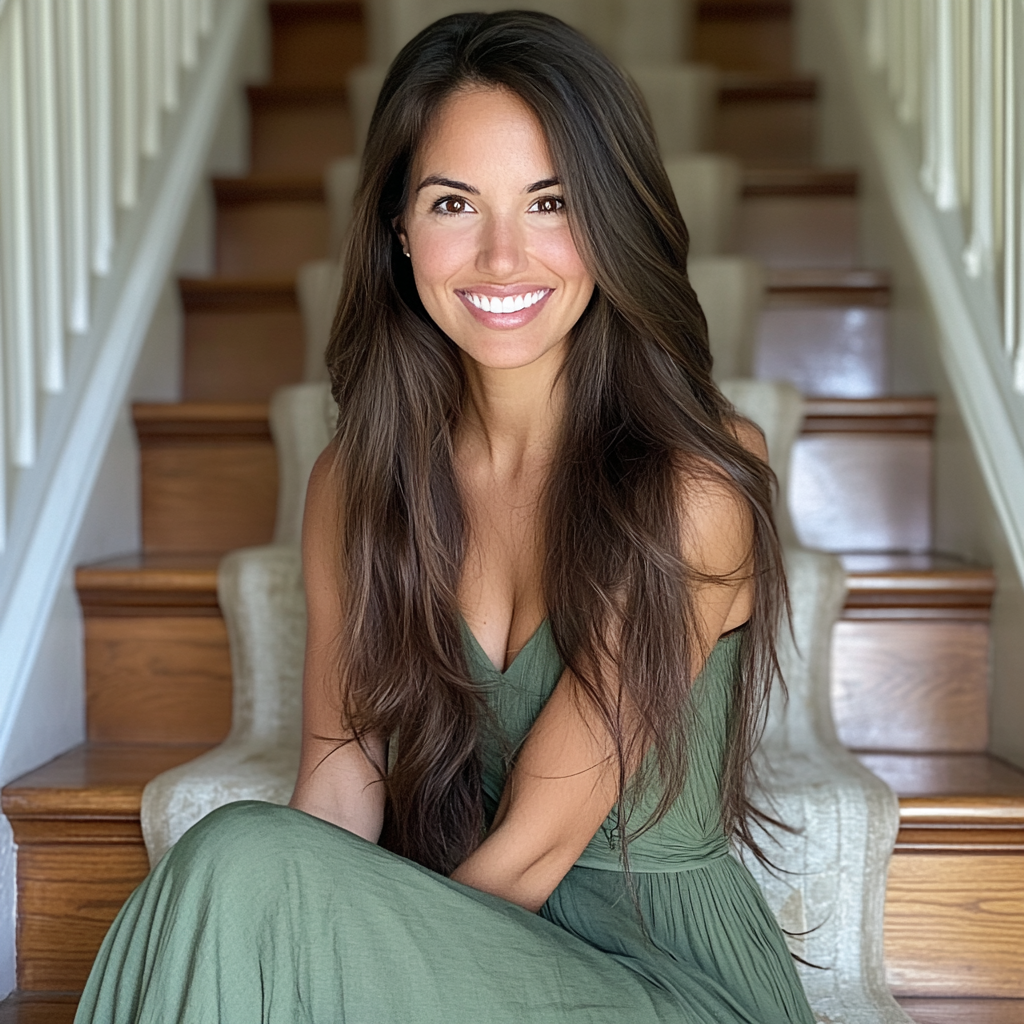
{"x":101,"y":134}
{"x":129,"y":114}
{"x":152,"y":69}
{"x":46,"y":134}
{"x":938,"y":84}
{"x":18,"y":257}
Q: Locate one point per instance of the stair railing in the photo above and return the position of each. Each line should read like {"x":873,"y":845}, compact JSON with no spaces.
{"x":938,"y":85}
{"x":107,"y":112}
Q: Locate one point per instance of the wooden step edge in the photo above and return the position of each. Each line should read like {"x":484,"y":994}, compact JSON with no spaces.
{"x":955,"y":1010}
{"x":744,"y":10}
{"x":943,"y":591}
{"x":115,"y":590}
{"x":268,"y":189}
{"x":22,"y":1007}
{"x":897,"y":415}
{"x":283,"y":12}
{"x":781,"y":280}
{"x":226,"y":294}
{"x":161,"y":422}
{"x":767,"y":90}
{"x":799,"y":181}
{"x":92,"y":784}
{"x":954,"y":803}
{"x":270,"y":95}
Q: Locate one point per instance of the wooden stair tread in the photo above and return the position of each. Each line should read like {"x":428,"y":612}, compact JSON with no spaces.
{"x":150,"y":583}
{"x":799,"y":181}
{"x":285,"y":11}
{"x":279,"y":94}
{"x":964,"y":1011}
{"x":954,"y":803}
{"x":269,"y":188}
{"x":896,"y":414}
{"x":163,"y":419}
{"x":743,"y":10}
{"x":744,"y":88}
{"x":787,"y":279}
{"x":879,"y":579}
{"x":93,"y":780}
{"x":227,"y":293}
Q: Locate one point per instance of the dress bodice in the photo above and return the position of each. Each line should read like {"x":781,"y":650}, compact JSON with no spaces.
{"x":691,"y":833}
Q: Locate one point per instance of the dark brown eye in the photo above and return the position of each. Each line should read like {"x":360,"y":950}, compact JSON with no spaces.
{"x":548,"y":204}
{"x":451,"y":205}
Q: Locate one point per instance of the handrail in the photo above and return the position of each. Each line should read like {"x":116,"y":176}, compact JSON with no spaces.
{"x":938,"y":85}
{"x":81,"y":113}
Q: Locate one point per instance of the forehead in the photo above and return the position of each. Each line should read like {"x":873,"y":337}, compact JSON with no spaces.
{"x":484,"y":133}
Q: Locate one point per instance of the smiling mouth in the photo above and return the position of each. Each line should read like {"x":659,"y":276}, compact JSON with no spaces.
{"x":506,"y":303}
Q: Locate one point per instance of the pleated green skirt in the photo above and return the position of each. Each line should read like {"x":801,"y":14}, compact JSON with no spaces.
{"x":266,"y":914}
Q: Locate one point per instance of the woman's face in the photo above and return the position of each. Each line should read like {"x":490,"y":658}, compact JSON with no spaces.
{"x":493,"y":258}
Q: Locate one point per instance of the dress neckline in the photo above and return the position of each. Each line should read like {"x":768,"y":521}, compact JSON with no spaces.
{"x":487,"y":658}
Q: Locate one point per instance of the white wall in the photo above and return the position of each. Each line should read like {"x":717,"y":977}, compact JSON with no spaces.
{"x":964,"y":520}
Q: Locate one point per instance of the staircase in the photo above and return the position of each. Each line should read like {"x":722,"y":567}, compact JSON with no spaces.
{"x":911,"y":659}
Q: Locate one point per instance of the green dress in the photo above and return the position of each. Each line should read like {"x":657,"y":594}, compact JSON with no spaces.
{"x":261,"y":913}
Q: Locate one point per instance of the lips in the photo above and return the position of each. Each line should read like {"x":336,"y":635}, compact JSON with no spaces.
{"x":505,"y":312}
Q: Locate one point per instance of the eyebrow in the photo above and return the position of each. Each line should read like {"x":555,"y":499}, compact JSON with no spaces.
{"x":436,"y":179}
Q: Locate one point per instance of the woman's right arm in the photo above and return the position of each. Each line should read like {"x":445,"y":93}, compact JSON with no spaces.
{"x":336,"y":781}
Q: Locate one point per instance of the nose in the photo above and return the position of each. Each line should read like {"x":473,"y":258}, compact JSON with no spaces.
{"x":502,"y":250}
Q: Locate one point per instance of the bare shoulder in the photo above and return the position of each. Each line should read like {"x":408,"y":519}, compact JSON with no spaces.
{"x":717,"y":519}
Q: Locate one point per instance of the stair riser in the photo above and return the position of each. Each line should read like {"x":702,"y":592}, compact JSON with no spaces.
{"x":868,"y":492}
{"x":242,"y":355}
{"x":954,"y":925}
{"x":767,"y":132}
{"x":299,"y":138}
{"x":207,"y":495}
{"x":68,"y":895}
{"x":157,"y":678}
{"x":911,"y":684}
{"x":800,"y":231}
{"x":759,"y":45}
{"x":836,"y":350}
{"x":269,"y":238}
{"x":316,"y":51}
{"x":896,"y":685}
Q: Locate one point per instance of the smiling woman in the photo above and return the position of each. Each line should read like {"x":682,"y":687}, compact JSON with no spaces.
{"x":543,"y":585}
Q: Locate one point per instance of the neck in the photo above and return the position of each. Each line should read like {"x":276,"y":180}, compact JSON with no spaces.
{"x":511,"y":416}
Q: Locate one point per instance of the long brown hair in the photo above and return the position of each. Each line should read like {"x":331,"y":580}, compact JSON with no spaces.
{"x":640,"y":405}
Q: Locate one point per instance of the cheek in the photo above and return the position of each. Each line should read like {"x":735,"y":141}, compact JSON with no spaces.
{"x":438,"y":255}
{"x":558,"y":252}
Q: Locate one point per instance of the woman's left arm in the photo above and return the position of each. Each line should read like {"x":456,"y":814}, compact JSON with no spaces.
{"x":565,"y":779}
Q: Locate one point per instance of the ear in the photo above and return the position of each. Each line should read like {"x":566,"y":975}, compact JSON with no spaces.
{"x":396,"y":225}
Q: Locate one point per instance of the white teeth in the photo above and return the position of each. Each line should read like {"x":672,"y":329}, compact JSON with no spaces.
{"x":508,"y":304}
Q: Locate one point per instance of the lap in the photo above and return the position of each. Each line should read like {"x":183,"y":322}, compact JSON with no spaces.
{"x":264,"y":913}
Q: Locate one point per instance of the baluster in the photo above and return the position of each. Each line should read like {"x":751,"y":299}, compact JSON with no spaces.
{"x":43,"y":62}
{"x":205,"y":17}
{"x":978,"y":255}
{"x":75,"y":165}
{"x":947,"y":193}
{"x":894,"y":46}
{"x":874,"y":34}
{"x":189,"y":33}
{"x":1011,"y":236}
{"x":130,"y":87}
{"x":101,"y":135}
{"x":910,"y":89}
{"x":20,"y":355}
{"x":172,"y":49}
{"x":928,"y":30}
{"x":152,"y":27}
{"x":963,"y":91}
